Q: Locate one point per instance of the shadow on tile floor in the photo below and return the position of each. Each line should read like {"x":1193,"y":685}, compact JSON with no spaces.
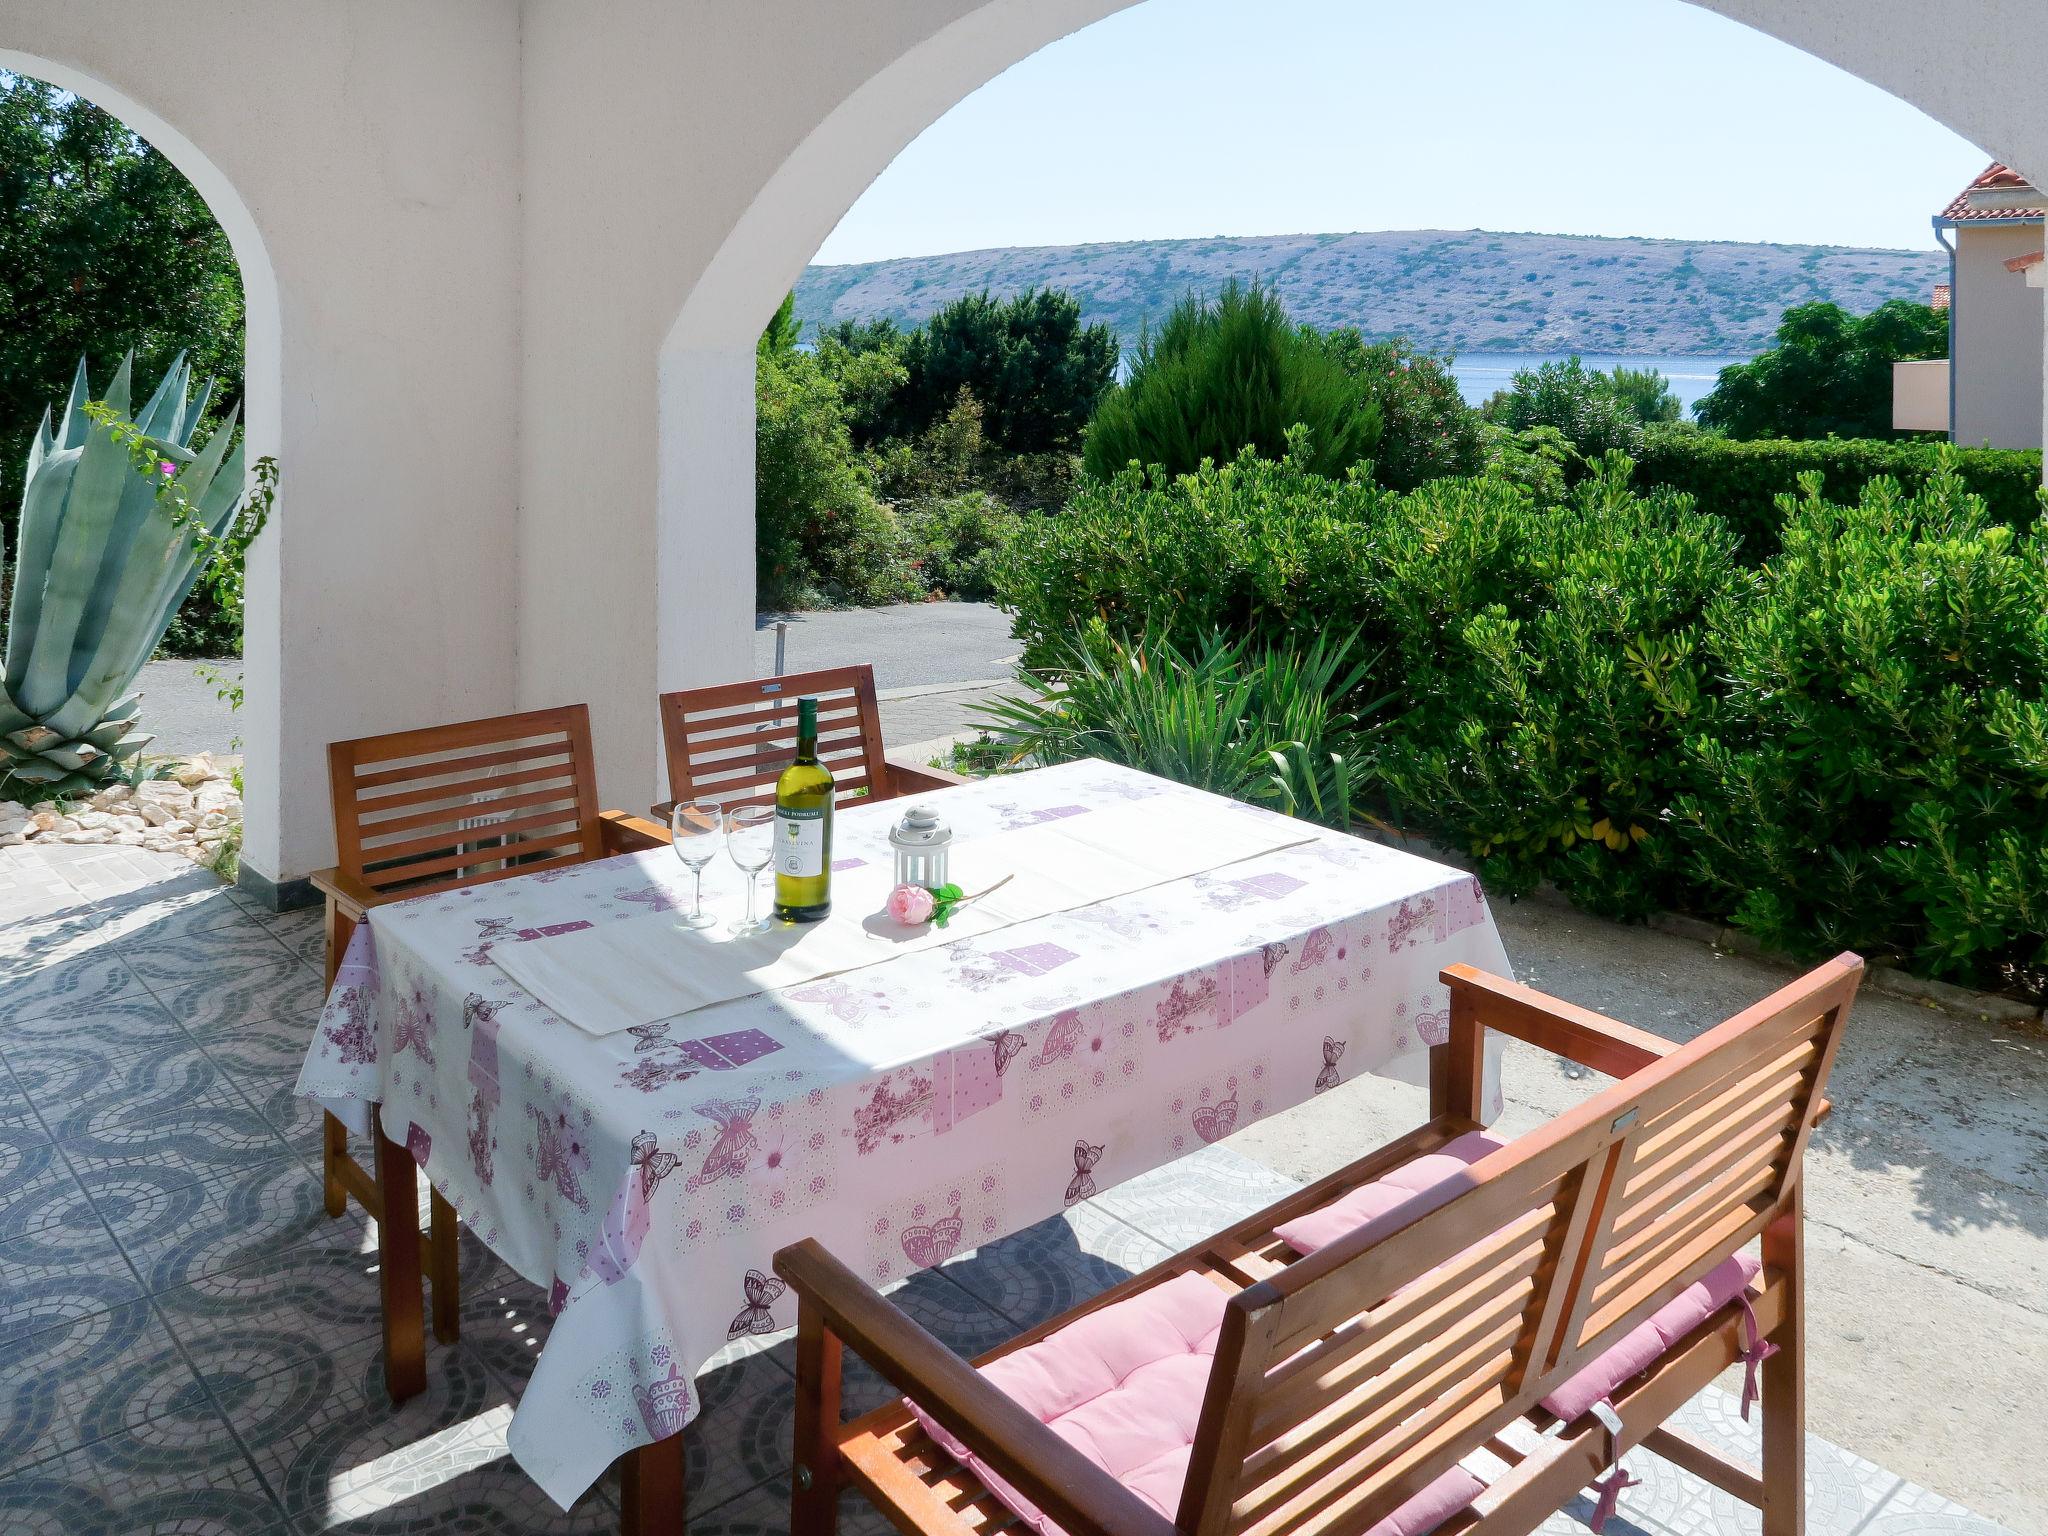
{"x":188,"y":1344}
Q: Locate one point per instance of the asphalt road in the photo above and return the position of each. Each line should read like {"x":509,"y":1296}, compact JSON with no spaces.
{"x":912,"y":646}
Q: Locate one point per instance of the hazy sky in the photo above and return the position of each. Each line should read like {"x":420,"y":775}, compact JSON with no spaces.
{"x":1244,"y":117}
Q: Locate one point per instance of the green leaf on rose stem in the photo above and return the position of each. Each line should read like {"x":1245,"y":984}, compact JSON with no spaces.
{"x":948,"y":892}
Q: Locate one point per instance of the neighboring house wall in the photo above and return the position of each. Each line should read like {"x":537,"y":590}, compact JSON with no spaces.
{"x":1998,"y":339}
{"x":521,"y":252}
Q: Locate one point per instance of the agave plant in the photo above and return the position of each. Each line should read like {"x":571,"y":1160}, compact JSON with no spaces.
{"x":105,"y":558}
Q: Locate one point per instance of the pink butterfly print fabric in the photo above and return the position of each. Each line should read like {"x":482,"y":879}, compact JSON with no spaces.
{"x":928,"y":1245}
{"x":756,"y":1317}
{"x":1082,"y":1185}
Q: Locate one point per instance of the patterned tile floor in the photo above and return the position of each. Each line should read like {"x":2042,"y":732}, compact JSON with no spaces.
{"x":188,"y":1347}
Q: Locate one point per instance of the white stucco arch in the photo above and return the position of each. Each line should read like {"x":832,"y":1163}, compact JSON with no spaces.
{"x":262,"y":419}
{"x":506,"y":261}
{"x":1973,"y":83}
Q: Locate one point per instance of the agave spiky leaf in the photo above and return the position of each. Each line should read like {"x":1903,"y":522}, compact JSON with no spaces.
{"x":101,"y":568}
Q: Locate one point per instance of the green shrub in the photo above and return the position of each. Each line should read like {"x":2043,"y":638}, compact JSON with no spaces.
{"x":1548,"y":659}
{"x":1037,"y":370}
{"x":1538,"y":459}
{"x":1742,"y":481}
{"x":1258,"y":548}
{"x":1645,"y":391}
{"x":820,"y":536}
{"x":954,"y":543}
{"x":1579,"y":402}
{"x":1279,"y":726}
{"x":1223,"y":376}
{"x":1828,"y":375}
{"x":1876,"y":772}
{"x":1427,"y":431}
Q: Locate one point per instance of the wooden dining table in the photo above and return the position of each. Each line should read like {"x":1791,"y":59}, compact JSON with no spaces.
{"x":902,"y":1111}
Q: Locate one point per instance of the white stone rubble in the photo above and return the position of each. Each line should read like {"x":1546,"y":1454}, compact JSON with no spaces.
{"x":193,"y":810}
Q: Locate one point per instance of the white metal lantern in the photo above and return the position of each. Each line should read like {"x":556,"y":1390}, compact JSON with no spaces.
{"x":921,"y":841}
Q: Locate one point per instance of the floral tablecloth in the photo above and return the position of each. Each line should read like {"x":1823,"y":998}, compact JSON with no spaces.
{"x":899,"y":1114}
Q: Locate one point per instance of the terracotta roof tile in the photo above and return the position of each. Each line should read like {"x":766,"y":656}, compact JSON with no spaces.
{"x":1994,"y":178}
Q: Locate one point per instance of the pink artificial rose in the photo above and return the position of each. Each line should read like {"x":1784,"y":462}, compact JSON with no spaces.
{"x":910,"y":905}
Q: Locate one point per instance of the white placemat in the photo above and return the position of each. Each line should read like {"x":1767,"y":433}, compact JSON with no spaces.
{"x":643,"y":969}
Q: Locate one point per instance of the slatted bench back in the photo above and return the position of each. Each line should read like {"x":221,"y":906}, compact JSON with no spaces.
{"x":1351,"y":1379}
{"x":455,"y":805}
{"x":730,"y":743}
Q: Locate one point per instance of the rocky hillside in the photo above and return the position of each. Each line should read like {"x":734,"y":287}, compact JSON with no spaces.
{"x":1448,"y":290}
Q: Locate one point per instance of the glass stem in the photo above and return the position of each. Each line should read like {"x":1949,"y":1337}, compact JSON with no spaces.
{"x":697,"y":895}
{"x":753,"y":884}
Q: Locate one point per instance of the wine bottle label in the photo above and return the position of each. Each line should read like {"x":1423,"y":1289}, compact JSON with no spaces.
{"x":799,"y":841}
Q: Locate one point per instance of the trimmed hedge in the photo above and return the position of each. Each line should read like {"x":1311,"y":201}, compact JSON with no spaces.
{"x":1844,"y":744}
{"x":1741,"y":481}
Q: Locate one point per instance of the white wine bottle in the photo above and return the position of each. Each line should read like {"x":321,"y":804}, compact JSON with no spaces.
{"x":803,"y":827}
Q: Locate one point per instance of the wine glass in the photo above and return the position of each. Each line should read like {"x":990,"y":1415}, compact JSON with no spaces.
{"x":750,"y":839}
{"x":695,"y":825}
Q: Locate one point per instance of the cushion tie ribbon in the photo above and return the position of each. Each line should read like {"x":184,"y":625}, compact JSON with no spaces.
{"x":1610,"y":1488}
{"x":1755,"y":1351}
{"x":1613,"y":1483}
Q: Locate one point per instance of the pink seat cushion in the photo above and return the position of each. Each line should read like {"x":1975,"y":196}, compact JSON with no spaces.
{"x":1124,"y":1387}
{"x":1639,"y":1348}
{"x":1305,"y":1234}
{"x":1635,"y":1352}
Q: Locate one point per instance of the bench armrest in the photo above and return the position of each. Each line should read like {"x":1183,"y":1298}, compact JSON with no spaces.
{"x":348,"y":894}
{"x":1073,"y":1490}
{"x":1577,"y":1034}
{"x":908,"y":778}
{"x":623,"y":832}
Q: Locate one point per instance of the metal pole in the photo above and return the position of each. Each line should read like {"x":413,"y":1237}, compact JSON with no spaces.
{"x":781,"y":635}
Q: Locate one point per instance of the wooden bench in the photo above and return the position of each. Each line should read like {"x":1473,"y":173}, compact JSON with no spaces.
{"x":436,"y":810}
{"x":1355,"y":1377}
{"x":730,"y":743}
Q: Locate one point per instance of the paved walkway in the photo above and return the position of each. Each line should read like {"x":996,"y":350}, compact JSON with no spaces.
{"x":187,"y":1343}
{"x":932,"y":661}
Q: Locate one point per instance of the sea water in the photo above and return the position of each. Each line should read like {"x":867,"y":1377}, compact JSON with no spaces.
{"x":1479,"y":374}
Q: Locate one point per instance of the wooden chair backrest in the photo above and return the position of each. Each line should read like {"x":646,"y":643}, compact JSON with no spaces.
{"x":456,"y":805}
{"x":730,"y":743}
{"x":1348,"y":1381}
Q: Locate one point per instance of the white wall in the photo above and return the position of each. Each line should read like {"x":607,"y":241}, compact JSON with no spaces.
{"x":369,"y":151}
{"x":521,"y":252}
{"x":1997,"y":339}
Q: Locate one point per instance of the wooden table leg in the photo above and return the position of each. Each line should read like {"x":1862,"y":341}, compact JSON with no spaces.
{"x":398,"y":1271}
{"x":651,"y":1489}
{"x":333,"y":1148}
{"x":445,"y":1266}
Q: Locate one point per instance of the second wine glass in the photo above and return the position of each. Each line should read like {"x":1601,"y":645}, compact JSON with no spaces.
{"x":750,"y":839}
{"x":695,"y":825}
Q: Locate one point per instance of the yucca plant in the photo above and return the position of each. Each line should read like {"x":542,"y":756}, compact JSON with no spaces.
{"x":118,"y":516}
{"x":1276,"y":726}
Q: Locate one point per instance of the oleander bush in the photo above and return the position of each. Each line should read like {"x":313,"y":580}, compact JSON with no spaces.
{"x":1874,"y":771}
{"x":1843,"y":744}
{"x":1257,"y":547}
{"x":955,"y":542}
{"x":1549,"y":658}
{"x":1596,"y":414}
{"x":1742,"y":481}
